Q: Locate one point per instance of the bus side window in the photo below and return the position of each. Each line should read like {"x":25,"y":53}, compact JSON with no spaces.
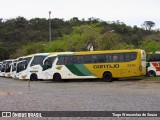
{"x":115,"y":58}
{"x":73,"y":59}
{"x":87,"y":58}
{"x":133,"y":56}
{"x":108,"y":58}
{"x":121,"y":57}
{"x":94,"y":58}
{"x":80,"y":59}
{"x":101,"y":58}
{"x":127,"y":57}
{"x":130,"y":56}
{"x":67,"y":60}
{"x":60,"y":61}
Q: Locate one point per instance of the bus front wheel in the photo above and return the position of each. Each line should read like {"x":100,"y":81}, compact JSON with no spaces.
{"x":152,"y":73}
{"x":33,"y":77}
{"x":57,"y":77}
{"x":107,"y":77}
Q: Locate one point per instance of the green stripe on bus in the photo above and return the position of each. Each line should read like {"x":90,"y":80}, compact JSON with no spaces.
{"x":79,"y":69}
{"x":74,"y":70}
{"x":83,"y":69}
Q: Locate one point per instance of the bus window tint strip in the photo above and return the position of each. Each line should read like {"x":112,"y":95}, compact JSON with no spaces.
{"x":100,"y":58}
{"x":153,"y":57}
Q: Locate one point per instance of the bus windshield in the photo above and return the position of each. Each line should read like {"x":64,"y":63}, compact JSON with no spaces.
{"x":38,"y":60}
{"x":8,"y":66}
{"x":27,"y":60}
{"x":21,"y":66}
{"x":3,"y":66}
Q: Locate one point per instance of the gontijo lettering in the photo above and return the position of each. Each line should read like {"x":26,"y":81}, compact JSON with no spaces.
{"x":106,"y":66}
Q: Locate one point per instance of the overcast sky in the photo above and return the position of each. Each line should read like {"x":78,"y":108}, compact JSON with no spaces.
{"x":131,"y":12}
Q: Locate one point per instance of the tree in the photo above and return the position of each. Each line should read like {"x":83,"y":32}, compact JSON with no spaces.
{"x":107,"y":41}
{"x":4,"y":54}
{"x":150,"y":46}
{"x":83,"y":36}
{"x":148,"y":25}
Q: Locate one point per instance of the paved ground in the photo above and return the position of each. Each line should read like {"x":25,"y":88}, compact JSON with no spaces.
{"x":93,"y":95}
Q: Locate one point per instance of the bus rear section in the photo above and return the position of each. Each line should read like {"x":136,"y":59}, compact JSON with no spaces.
{"x":153,"y":64}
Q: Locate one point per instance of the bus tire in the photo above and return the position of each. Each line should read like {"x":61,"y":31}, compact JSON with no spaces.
{"x":57,"y":77}
{"x":33,"y":77}
{"x":107,"y":77}
{"x":152,"y":73}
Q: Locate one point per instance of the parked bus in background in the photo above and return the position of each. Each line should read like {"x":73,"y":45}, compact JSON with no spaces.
{"x":5,"y":66}
{"x":48,"y":64}
{"x":0,"y":66}
{"x":8,"y":68}
{"x":14,"y":66}
{"x":31,"y":66}
{"x":108,"y":65}
{"x":153,"y":64}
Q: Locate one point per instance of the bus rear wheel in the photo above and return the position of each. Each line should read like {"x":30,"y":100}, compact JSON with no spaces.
{"x":57,"y":77}
{"x":152,"y":73}
{"x":33,"y":77}
{"x":107,"y":77}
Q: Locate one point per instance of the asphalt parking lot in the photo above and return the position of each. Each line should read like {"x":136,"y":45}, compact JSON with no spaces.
{"x":90,"y":95}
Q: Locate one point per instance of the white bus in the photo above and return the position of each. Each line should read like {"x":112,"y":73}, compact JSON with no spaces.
{"x":31,"y":67}
{"x":8,"y":68}
{"x":49,"y":64}
{"x":14,"y":66}
{"x":5,"y":67}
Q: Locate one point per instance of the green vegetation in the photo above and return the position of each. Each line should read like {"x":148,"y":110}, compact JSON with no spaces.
{"x":19,"y":36}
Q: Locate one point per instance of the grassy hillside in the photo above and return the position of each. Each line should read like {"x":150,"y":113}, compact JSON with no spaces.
{"x":20,"y":36}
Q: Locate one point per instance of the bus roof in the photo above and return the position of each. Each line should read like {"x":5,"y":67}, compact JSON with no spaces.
{"x":59,"y":53}
{"x":106,"y":51}
{"x":93,"y":52}
{"x":37,"y":54}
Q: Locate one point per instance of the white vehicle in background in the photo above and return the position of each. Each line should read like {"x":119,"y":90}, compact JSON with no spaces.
{"x":49,"y":64}
{"x":31,"y":66}
{"x":0,"y":66}
{"x":14,"y":66}
{"x":8,"y":68}
{"x":153,"y":65}
{"x":3,"y":68}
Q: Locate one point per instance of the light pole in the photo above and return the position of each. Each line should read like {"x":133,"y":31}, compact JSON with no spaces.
{"x":50,"y":26}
